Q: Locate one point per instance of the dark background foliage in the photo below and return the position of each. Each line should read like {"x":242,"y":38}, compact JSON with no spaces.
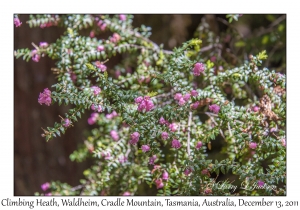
{"x":37,"y":161}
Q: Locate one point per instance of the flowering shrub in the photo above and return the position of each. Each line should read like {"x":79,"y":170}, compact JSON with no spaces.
{"x":158,"y":112}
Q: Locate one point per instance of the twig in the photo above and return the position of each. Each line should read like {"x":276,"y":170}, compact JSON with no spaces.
{"x":270,"y":28}
{"x":189,"y":137}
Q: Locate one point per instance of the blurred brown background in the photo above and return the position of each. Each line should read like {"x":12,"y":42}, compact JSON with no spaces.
{"x":37,"y":161}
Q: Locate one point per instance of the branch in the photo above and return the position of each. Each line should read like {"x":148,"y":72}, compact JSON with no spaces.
{"x":189,"y":130}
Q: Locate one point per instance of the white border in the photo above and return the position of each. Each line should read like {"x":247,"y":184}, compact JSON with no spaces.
{"x":138,"y":7}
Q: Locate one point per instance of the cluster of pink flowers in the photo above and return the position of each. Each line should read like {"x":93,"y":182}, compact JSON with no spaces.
{"x":111,"y":115}
{"x":122,"y":17}
{"x":182,"y":99}
{"x":152,"y":159}
{"x":93,"y":118}
{"x":214,"y":108}
{"x":115,"y":38}
{"x":45,"y":186}
{"x":100,"y":48}
{"x":173,"y":127}
{"x":96,"y":90}
{"x":144,"y":103}
{"x":198,"y":69}
{"x":100,"y":66}
{"x":17,"y":22}
{"x":101,"y":25}
{"x":162,"y":121}
{"x":164,"y":135}
{"x":45,"y":97}
{"x":97,"y":108}
{"x":67,"y":122}
{"x":114,"y":135}
{"x":145,"y":148}
{"x":252,"y":145}
{"x":135,"y":136}
{"x":35,"y":56}
{"x":176,"y":144}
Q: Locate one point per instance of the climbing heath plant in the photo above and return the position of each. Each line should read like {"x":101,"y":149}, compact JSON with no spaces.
{"x":155,"y":115}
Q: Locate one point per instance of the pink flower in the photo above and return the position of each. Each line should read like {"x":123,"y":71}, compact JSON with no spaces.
{"x":106,"y":155}
{"x":178,"y":96}
{"x":205,"y":172}
{"x":48,"y":194}
{"x":187,"y":97}
{"x":122,"y":17}
{"x":145,"y":148}
{"x":195,"y":105}
{"x":96,"y":90}
{"x":138,"y":100}
{"x":115,"y":38}
{"x":101,"y":66}
{"x":67,"y":123}
{"x":283,"y":142}
{"x":162,"y":121}
{"x":152,"y":159}
{"x":214,"y":108}
{"x":260,"y":183}
{"x":145,"y":104}
{"x":213,"y":58}
{"x":122,"y":159}
{"x":126,"y":193}
{"x":114,"y":114}
{"x":199,"y":145}
{"x":35,"y":56}
{"x":99,"y":108}
{"x":255,"y":109}
{"x":173,"y":127}
{"x":45,"y":186}
{"x":252,"y":145}
{"x":194,"y":93}
{"x":164,"y":135}
{"x":103,"y":27}
{"x":134,"y":138}
{"x":181,"y":102}
{"x":207,"y":191}
{"x":100,"y":48}
{"x":92,"y":34}
{"x":159,"y":183}
{"x":93,"y":118}
{"x":17,"y":22}
{"x":165,"y":175}
{"x":114,"y":135}
{"x":187,"y":171}
{"x":198,"y":69}
{"x":45,"y":97}
{"x":43,"y":44}
{"x":176,"y":144}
